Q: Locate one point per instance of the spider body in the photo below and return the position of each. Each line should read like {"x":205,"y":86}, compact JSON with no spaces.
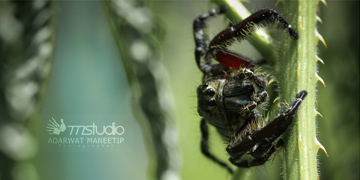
{"x":219,"y":102}
{"x":231,"y":92}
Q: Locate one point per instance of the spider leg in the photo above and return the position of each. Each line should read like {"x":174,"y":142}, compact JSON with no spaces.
{"x":233,"y":104}
{"x":205,"y":147}
{"x":260,"y":82}
{"x":257,"y":161}
{"x":246,"y":27}
{"x":202,"y":60}
{"x":239,"y":145}
{"x":260,"y":97}
{"x":241,"y":31}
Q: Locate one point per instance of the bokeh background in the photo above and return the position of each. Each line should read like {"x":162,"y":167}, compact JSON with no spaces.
{"x":88,"y":78}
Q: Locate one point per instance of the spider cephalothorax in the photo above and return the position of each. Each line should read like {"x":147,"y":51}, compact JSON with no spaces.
{"x":231,"y":92}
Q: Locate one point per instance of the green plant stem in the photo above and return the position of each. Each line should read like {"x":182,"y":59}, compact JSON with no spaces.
{"x":298,"y":72}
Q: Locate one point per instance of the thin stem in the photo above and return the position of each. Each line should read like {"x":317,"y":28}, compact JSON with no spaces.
{"x":298,"y":72}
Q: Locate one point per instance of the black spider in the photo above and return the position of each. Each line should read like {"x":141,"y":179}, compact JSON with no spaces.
{"x":231,"y":92}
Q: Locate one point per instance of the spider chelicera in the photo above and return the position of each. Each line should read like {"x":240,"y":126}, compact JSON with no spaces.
{"x":232,"y":91}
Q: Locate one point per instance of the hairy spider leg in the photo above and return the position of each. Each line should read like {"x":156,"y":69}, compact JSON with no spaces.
{"x":263,"y":138}
{"x":259,"y":98}
{"x":240,"y":31}
{"x":260,"y":82}
{"x":205,"y":148}
{"x":200,"y":37}
{"x":258,"y":160}
{"x":202,"y":57}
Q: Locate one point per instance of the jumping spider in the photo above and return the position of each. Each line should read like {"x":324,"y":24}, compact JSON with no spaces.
{"x":232,"y":91}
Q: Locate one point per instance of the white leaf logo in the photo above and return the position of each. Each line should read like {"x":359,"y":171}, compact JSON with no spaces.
{"x":55,"y":128}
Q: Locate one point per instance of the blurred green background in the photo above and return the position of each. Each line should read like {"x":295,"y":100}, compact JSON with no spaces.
{"x":88,"y":84}
{"x":88,"y":78}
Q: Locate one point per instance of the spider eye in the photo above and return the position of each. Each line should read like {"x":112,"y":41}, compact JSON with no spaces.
{"x":210,"y":92}
{"x":211,"y":102}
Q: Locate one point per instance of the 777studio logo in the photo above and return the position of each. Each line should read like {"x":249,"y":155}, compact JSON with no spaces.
{"x":55,"y":128}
